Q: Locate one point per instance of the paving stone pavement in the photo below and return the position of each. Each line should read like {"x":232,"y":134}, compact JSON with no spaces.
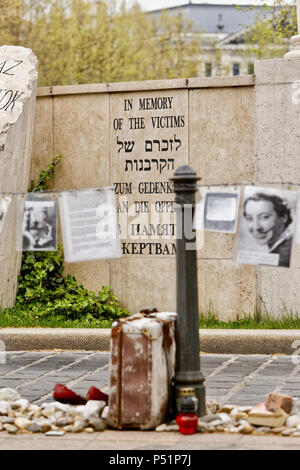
{"x":229,"y":378}
{"x":236,"y":379}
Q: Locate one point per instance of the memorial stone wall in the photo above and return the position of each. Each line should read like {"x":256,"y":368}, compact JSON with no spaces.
{"x":133,"y":136}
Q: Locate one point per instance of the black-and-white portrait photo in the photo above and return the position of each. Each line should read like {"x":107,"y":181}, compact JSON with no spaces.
{"x":267,"y":226}
{"x":39,"y":226}
{"x":220,"y":211}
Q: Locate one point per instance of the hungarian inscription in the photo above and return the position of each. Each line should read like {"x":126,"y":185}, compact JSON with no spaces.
{"x":149,"y":140}
{"x":9,"y":95}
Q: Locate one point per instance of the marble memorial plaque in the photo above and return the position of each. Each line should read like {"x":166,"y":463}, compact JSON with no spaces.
{"x":149,"y":141}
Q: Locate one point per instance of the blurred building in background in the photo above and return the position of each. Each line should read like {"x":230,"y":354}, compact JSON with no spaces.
{"x":222,"y":28}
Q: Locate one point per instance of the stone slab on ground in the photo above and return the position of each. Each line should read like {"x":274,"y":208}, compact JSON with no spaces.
{"x":145,"y":440}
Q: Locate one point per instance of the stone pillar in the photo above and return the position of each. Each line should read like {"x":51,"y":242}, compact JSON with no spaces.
{"x":277,"y":144}
{"x":294,"y":53}
{"x":18,"y":81}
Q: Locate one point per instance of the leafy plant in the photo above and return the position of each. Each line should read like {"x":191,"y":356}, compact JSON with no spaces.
{"x":46,"y":292}
{"x":44,"y":176}
{"x":43,"y":291}
{"x":84,"y":41}
{"x":269,"y":36}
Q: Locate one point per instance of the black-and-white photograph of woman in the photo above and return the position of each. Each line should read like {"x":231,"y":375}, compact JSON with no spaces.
{"x":267,"y":226}
{"x":39,"y":226}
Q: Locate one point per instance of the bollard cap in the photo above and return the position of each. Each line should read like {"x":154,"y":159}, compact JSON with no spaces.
{"x":185,"y":173}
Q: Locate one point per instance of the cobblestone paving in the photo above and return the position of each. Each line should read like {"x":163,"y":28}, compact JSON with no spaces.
{"x":236,"y":379}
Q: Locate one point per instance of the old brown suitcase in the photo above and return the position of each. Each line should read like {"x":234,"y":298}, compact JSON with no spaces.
{"x":142,"y":366}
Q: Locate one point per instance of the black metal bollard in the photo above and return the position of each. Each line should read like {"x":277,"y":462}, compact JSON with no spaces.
{"x":188,"y":373}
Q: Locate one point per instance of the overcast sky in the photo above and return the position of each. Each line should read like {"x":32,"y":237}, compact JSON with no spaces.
{"x":148,"y":5}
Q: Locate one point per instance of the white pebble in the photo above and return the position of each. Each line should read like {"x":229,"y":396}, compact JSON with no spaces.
{"x":172,"y":427}
{"x":92,"y":409}
{"x":9,"y":394}
{"x":21,"y":404}
{"x":233,"y":430}
{"x":292,"y":421}
{"x":245,"y":409}
{"x":161,"y":427}
{"x":5,"y":407}
{"x":263,"y":429}
{"x":105,"y":412}
{"x":55,"y":433}
{"x":217,"y":422}
{"x":243,"y":422}
{"x":34,"y":408}
{"x":80,"y":425}
{"x":225,"y":418}
{"x":22,"y":423}
{"x":288,"y":432}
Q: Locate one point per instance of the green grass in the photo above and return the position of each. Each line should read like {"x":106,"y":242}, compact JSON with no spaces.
{"x":19,"y":318}
{"x":26,"y":319}
{"x":256,"y":321}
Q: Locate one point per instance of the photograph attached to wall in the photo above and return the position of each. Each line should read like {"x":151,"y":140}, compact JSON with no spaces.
{"x":217,"y":209}
{"x":221,"y":210}
{"x":267,"y":226}
{"x":297,"y":234}
{"x":89,"y":224}
{"x":39,"y":227}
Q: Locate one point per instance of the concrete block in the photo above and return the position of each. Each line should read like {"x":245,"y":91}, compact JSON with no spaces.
{"x":141,"y":282}
{"x":81,"y":130}
{"x":222,"y":134}
{"x":18,"y":81}
{"x":226,"y":288}
{"x":42,"y":140}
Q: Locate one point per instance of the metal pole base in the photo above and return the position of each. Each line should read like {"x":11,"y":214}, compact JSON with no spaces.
{"x":199,"y":394}
{"x":194,"y":380}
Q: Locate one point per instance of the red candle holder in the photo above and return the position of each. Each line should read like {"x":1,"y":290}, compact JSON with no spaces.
{"x":187,"y":423}
{"x":187,"y":419}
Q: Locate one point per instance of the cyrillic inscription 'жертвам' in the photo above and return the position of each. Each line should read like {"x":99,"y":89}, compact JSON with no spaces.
{"x":148,"y":248}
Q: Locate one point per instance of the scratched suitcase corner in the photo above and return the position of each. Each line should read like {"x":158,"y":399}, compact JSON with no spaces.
{"x":142,"y":365}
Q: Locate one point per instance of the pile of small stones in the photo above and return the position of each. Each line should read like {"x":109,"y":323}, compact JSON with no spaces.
{"x":18,"y":415}
{"x":235,"y":419}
